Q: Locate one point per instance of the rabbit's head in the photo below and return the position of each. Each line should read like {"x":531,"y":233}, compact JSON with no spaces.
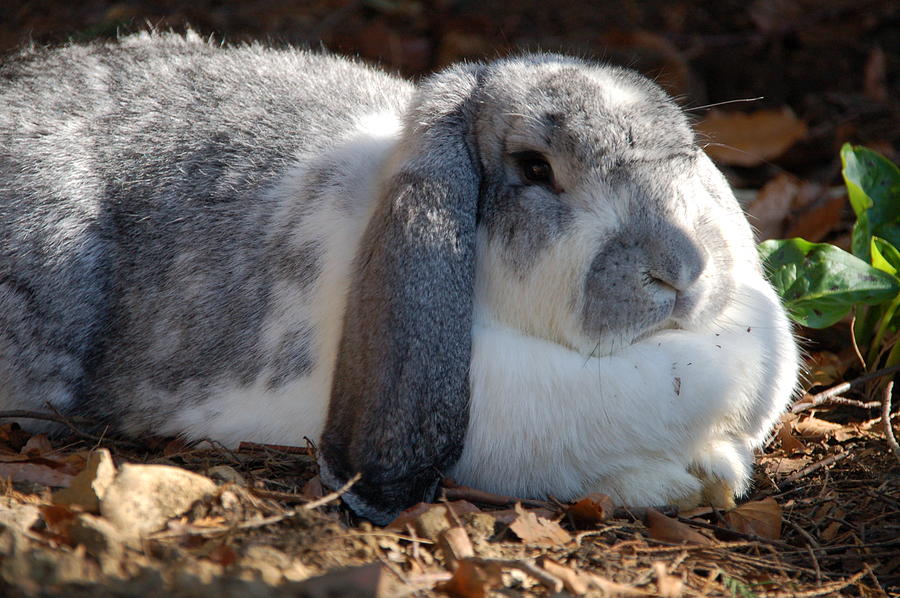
{"x":565,"y":200}
{"x":600,"y":220}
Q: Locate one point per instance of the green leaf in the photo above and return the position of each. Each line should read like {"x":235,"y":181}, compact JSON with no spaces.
{"x":873,"y":184}
{"x":819,"y":283}
{"x":885,"y":256}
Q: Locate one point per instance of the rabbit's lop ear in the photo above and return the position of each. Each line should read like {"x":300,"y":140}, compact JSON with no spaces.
{"x":400,"y":396}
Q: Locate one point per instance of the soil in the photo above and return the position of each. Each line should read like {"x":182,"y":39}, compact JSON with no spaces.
{"x":828,"y":480}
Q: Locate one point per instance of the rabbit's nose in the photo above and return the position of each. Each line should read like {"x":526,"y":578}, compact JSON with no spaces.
{"x":677,"y":261}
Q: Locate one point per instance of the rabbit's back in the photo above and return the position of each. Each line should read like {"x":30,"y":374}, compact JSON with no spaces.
{"x":149,"y":221}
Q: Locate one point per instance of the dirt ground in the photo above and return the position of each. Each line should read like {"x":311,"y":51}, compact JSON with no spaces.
{"x":824,"y":515}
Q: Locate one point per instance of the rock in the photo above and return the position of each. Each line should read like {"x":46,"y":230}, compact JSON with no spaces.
{"x":89,"y":486}
{"x":19,"y":515}
{"x":432,"y":522}
{"x":142,"y":498}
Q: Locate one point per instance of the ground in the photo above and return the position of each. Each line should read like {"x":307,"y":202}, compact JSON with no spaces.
{"x":824,"y":515}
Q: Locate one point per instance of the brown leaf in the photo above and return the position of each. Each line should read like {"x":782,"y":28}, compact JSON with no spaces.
{"x":875,"y":76}
{"x":37,"y":445}
{"x":749,"y":139}
{"x":667,"y":529}
{"x":536,"y":530}
{"x":769,"y":211}
{"x":13,"y":436}
{"x":592,"y":509}
{"x":471,"y":581}
{"x":313,"y":488}
{"x":223,"y":555}
{"x":507,"y":516}
{"x":35,"y":473}
{"x":410,"y":515}
{"x":761,"y":518}
{"x":790,"y":444}
{"x":58,"y":520}
{"x":89,"y":485}
{"x":814,"y":223}
{"x":783,"y":466}
{"x":813,"y":427}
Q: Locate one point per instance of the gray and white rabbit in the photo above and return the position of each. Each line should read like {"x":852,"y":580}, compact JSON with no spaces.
{"x":523,"y":274}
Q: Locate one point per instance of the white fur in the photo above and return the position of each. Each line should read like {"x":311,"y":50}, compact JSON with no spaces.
{"x":545,"y":420}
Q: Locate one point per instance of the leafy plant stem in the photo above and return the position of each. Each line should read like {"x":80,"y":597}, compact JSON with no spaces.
{"x":883,"y":326}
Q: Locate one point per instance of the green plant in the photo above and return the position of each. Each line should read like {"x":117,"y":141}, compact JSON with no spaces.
{"x":820,"y":283}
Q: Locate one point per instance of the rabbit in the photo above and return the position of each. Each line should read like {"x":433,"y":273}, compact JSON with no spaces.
{"x":523,"y":274}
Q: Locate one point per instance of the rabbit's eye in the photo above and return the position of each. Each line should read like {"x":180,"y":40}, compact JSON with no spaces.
{"x":534,"y":168}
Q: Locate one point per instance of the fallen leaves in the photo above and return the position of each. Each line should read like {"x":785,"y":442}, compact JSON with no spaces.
{"x":750,"y":138}
{"x":668,"y":529}
{"x":537,"y":530}
{"x":761,"y":518}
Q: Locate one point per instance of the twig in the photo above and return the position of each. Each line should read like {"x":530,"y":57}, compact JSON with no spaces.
{"x":41,"y":415}
{"x":840,"y":400}
{"x":489,"y":498}
{"x":826,"y":395}
{"x":548,"y":580}
{"x":886,"y":416}
{"x":332,"y":495}
{"x":734,"y":533}
{"x":853,"y":341}
{"x":815,"y":467}
{"x":255,"y":447}
{"x":828,"y":588}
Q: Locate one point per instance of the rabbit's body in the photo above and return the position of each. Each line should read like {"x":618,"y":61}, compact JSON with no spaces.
{"x":224,"y":325}
{"x":256,"y":244}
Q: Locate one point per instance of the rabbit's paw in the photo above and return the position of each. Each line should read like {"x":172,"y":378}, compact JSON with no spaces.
{"x":722,"y":467}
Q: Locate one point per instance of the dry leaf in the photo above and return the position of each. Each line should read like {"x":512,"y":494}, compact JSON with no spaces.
{"x":313,"y":488}
{"x":875,"y":76}
{"x":592,"y":509}
{"x":783,"y":466}
{"x":507,"y":516}
{"x":37,"y":445}
{"x":749,"y":139}
{"x":410,"y":515}
{"x":471,"y":581}
{"x":669,"y":585}
{"x":35,"y":473}
{"x":13,"y":436}
{"x":790,"y":444}
{"x":667,"y":529}
{"x":88,"y":487}
{"x":536,"y":530}
{"x":814,"y":223}
{"x":813,"y":427}
{"x":223,"y":555}
{"x":59,"y":521}
{"x":761,"y":518}
{"x":769,"y":211}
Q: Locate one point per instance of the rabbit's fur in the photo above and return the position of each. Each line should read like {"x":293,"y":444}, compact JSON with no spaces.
{"x":247,"y":243}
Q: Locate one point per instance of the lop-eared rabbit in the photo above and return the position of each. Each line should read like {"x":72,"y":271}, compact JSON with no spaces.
{"x":523,"y":274}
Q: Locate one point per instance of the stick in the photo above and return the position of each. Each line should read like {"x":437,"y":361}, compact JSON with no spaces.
{"x":333,"y":495}
{"x":825,"y":395}
{"x":886,"y":416}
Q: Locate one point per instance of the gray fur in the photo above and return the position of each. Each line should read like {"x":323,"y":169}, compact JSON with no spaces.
{"x":134,"y":206}
{"x":145,"y":231}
